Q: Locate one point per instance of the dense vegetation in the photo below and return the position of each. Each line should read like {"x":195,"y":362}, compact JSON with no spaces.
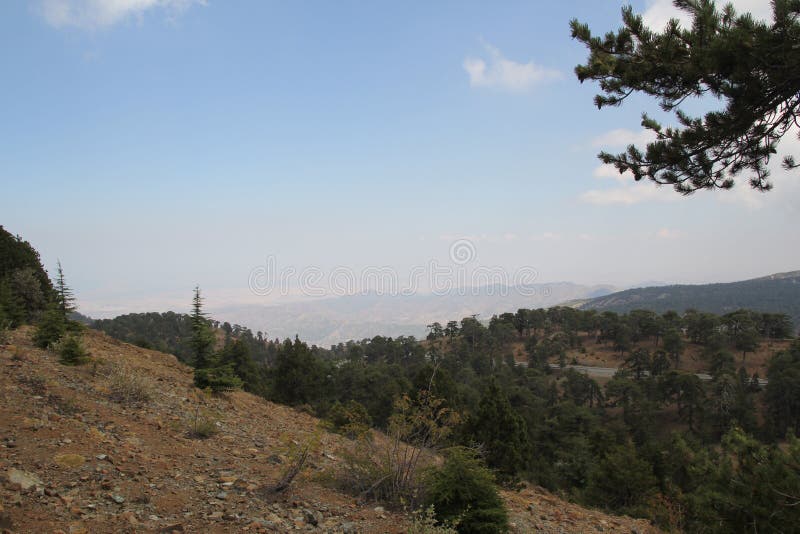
{"x":777,"y":293}
{"x":653,"y":441}
{"x":25,"y":288}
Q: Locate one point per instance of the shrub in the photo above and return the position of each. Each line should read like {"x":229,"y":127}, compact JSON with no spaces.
{"x":203,"y":425}
{"x":297,"y":454}
{"x":423,"y":521}
{"x":349,"y":419}
{"x":463,"y":491}
{"x":51,"y":328}
{"x":129,"y":387}
{"x":220,"y":378}
{"x":71,"y":351}
{"x":390,"y":473}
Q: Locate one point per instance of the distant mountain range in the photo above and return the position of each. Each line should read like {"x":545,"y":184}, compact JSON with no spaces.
{"x":775,"y":293}
{"x":332,"y":320}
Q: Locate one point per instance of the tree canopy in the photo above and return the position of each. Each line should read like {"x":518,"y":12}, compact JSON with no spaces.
{"x":750,"y":66}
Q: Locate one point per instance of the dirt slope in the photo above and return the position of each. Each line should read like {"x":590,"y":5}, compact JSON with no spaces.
{"x":75,"y":459}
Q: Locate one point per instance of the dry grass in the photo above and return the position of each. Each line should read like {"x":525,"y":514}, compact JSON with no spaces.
{"x":128,"y":386}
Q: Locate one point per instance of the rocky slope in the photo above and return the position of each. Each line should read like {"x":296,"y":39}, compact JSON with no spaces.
{"x":108,"y":447}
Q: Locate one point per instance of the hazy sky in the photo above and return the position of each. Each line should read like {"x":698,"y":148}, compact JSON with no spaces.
{"x":155,"y":144}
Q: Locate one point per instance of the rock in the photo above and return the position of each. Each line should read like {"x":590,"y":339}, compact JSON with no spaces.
{"x":69,"y":460}
{"x":349,"y":528}
{"x":312,"y":517}
{"x":170,"y":529}
{"x":119,"y":499}
{"x":379,"y":509}
{"x":222,"y":495}
{"x":24,"y":479}
{"x":101,"y":457}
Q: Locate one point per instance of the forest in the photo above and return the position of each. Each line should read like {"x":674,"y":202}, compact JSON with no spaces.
{"x":701,"y":453}
{"x":653,"y":441}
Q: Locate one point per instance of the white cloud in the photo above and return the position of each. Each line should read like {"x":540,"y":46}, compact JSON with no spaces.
{"x":95,"y":14}
{"x":659,"y":12}
{"x":609,"y":171}
{"x":628,"y":195}
{"x":499,"y":72}
{"x":622,"y":137}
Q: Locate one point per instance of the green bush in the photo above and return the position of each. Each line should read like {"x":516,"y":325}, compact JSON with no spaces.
{"x":51,"y":328}
{"x":71,"y":351}
{"x":463,"y":492}
{"x":349,"y":419}
{"x":219,"y":378}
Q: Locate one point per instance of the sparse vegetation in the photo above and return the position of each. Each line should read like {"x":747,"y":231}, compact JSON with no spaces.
{"x":297,"y":455}
{"x":128,"y":386}
{"x":203,"y":425}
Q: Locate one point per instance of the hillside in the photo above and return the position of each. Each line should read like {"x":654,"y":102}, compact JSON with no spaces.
{"x":76,"y":458}
{"x":777,"y":293}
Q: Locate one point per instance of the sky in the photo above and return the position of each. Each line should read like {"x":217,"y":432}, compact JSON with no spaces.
{"x":151,"y":145}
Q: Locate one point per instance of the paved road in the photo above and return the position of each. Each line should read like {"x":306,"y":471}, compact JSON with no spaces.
{"x":609,"y":372}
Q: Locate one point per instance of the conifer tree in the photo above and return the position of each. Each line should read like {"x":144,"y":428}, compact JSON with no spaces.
{"x":64,"y":295}
{"x":202,"y":341}
{"x":209,"y":371}
{"x":749,"y":66}
{"x":51,"y":327}
{"x":72,"y":351}
{"x":501,"y":431}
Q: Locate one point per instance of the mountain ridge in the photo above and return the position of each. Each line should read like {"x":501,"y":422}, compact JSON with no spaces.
{"x":774,"y":293}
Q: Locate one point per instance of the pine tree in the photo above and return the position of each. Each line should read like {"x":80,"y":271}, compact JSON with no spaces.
{"x":501,"y":431}
{"x":51,"y":327}
{"x":72,"y":351}
{"x":209,"y":371}
{"x":64,"y":295}
{"x":750,"y":66}
{"x":463,"y":491}
{"x":202,"y":341}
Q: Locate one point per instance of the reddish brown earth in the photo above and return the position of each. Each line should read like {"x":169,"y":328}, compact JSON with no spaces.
{"x":73,"y":459}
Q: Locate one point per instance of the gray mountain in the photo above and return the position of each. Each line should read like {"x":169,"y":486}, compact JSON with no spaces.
{"x":332,"y":320}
